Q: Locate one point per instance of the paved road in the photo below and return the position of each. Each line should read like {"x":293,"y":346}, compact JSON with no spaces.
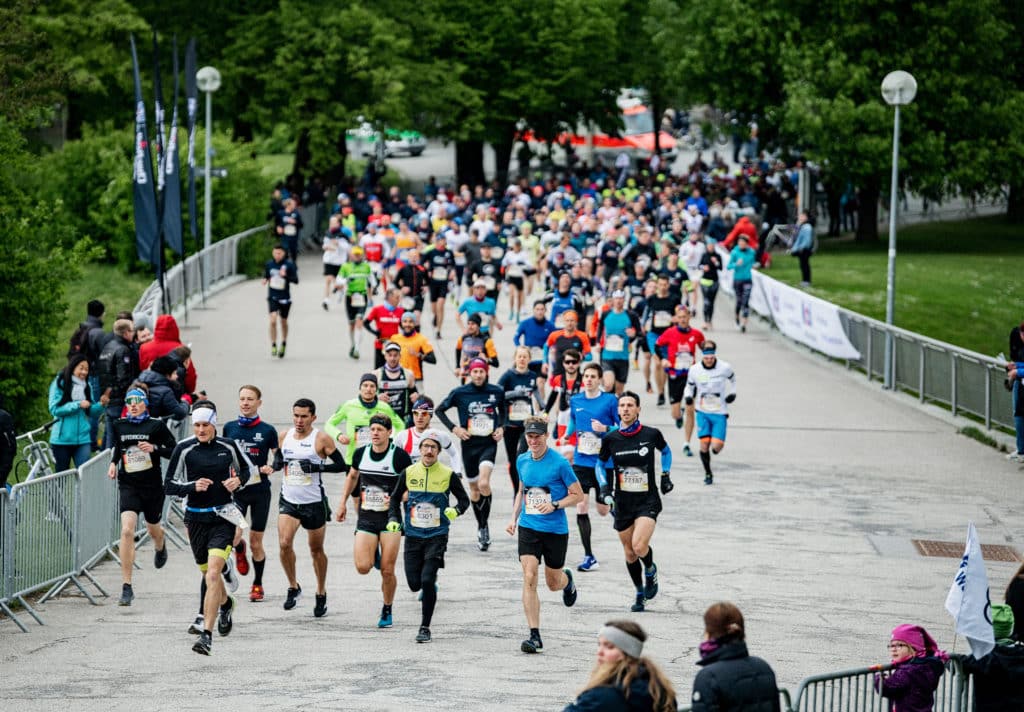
{"x":823,"y":483}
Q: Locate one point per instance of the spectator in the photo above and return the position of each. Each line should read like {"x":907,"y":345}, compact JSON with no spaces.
{"x":164,"y":392}
{"x":143,"y":328}
{"x":803,"y":247}
{"x":118,"y":366}
{"x":183,"y":362}
{"x":1015,"y":600}
{"x":623,"y":678}
{"x":166,"y":338}
{"x":910,"y":685}
{"x":73,"y":402}
{"x":731,"y":678}
{"x":8,"y":444}
{"x":94,"y":339}
{"x":743,"y":226}
{"x":999,"y":676}
{"x":1015,"y":379}
{"x":1017,"y":357}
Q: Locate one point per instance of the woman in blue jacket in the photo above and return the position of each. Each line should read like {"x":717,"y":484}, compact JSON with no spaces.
{"x":72,"y":404}
{"x":741,"y":262}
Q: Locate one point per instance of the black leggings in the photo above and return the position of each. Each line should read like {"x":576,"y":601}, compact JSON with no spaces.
{"x":512,"y":435}
{"x":743,"y":290}
{"x":421,"y":575}
{"x":710,"y":292}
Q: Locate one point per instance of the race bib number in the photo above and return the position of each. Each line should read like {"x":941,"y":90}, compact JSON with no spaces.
{"x":460,"y":260}
{"x":590,"y":252}
{"x":497,"y":252}
{"x":135,"y":460}
{"x":357,"y":299}
{"x":363,"y":436}
{"x":515,"y":271}
{"x":290,"y":230}
{"x":684,"y":359}
{"x":588,"y":443}
{"x":485,"y":320}
{"x":481,"y":425}
{"x":536,"y":353}
{"x":662,"y":320}
{"x":408,"y":303}
{"x":633,"y":479}
{"x":374,"y":499}
{"x":710,"y":402}
{"x":614,"y":342}
{"x":535,"y":497}
{"x":233,"y":514}
{"x":559,"y":321}
{"x":278,"y":282}
{"x":439,"y":274}
{"x":425,"y":516}
{"x":519,"y":410}
{"x":489,"y":283}
{"x":294,"y":475}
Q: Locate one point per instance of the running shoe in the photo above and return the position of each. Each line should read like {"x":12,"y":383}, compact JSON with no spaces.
{"x":651,"y":582}
{"x":636,"y":365}
{"x":589,"y":563}
{"x":385,"y":618}
{"x":256,"y":593}
{"x":533,"y":644}
{"x":743,"y":329}
{"x":679,"y":423}
{"x":127,"y":595}
{"x":1015,"y":457}
{"x":424,"y":635}
{"x":204,"y":644}
{"x":355,"y":354}
{"x":230,"y":580}
{"x":273,"y":351}
{"x":324,"y":304}
{"x":241,"y":560}
{"x":569,"y":593}
{"x":661,"y":399}
{"x":687,"y":451}
{"x":160,"y":557}
{"x":224,"y":622}
{"x":638,"y":605}
{"x":320,"y":608}
{"x":708,"y":479}
{"x":293,"y":597}
{"x":483,"y":539}
{"x":280,"y":351}
{"x":196,"y":626}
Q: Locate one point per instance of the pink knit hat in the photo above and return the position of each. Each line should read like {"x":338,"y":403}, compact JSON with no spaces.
{"x":917,"y":637}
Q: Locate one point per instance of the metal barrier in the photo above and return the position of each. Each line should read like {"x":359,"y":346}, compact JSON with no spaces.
{"x":854,"y":691}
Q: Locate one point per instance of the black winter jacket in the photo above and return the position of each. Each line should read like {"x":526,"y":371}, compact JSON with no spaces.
{"x":613,"y":698}
{"x":163,"y":397}
{"x":734,"y":681}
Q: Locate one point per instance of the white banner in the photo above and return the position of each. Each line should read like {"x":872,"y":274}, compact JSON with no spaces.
{"x":968,"y":600}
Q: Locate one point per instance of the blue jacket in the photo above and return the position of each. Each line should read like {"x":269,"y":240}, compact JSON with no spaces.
{"x":804,"y":239}
{"x":72,"y":426}
{"x":741,"y":262}
{"x":532,"y":332}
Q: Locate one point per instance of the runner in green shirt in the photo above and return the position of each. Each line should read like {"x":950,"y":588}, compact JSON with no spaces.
{"x":356,"y":413}
{"x":357,"y":278}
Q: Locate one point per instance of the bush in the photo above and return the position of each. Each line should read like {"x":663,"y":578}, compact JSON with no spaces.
{"x":253,"y":253}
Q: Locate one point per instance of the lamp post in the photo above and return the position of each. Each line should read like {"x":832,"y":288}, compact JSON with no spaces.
{"x":208,"y":80}
{"x":898,"y":89}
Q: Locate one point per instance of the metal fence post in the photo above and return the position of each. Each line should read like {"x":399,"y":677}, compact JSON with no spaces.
{"x":920,"y":377}
{"x":988,"y":399}
{"x":952,"y":386}
{"x":867,"y":361}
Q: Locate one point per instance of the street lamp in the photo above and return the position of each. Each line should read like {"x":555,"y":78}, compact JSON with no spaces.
{"x":898,"y":89}
{"x":208,"y":80}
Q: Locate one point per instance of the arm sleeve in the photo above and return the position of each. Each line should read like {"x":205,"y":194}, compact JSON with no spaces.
{"x":441,"y":412}
{"x":586,"y":348}
{"x":395,"y":504}
{"x":461,"y":498}
{"x":600,"y":474}
{"x":337,"y":462}
{"x":552,"y":399}
{"x":571,"y":427}
{"x":171,"y":484}
{"x":499,"y":417}
{"x":455,"y":456}
{"x":666,"y":452}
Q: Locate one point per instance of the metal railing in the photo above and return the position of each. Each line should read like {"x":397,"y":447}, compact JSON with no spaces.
{"x":854,"y":691}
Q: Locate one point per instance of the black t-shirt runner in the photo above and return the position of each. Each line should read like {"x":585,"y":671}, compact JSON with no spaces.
{"x":660,"y":310}
{"x":256,"y":440}
{"x":136,"y":468}
{"x":439,"y":263}
{"x":634,"y":473}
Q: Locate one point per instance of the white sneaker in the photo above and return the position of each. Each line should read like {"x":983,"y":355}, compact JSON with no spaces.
{"x":1015,"y":457}
{"x":230,"y":579}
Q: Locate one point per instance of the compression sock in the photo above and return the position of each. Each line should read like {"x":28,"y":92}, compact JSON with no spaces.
{"x":386,"y":610}
{"x":705,"y":459}
{"x":202,"y":595}
{"x":429,"y":602}
{"x":648,"y":558}
{"x":583,"y":522}
{"x":485,"y":508}
{"x":257,"y":567}
{"x":535,"y":633}
{"x":636,"y":571}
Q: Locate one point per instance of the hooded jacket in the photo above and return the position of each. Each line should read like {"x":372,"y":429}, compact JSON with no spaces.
{"x":163,"y":400}
{"x":166,"y":338}
{"x":734,"y":680}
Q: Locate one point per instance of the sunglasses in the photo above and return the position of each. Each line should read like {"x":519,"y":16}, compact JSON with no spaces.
{"x":135,"y":400}
{"x":569,"y":362}
{"x":423,"y":412}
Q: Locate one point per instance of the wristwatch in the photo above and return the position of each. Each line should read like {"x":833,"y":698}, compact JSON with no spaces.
{"x":556,"y":505}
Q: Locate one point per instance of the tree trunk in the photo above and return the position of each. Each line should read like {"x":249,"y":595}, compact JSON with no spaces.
{"x":335,"y":175}
{"x":867,"y":214}
{"x":469,"y":162}
{"x":242,"y":130}
{"x":1015,"y":204}
{"x":503,"y":154}
{"x":301,"y":162}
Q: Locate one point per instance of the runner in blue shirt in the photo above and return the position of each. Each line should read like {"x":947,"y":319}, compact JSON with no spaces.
{"x":533,"y":334}
{"x":480,"y":304}
{"x":617,"y":328}
{"x":547,"y":486}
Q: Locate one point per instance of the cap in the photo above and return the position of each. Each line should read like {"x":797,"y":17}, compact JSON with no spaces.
{"x":357,"y":251}
{"x":342,"y":196}
{"x":618,"y":293}
{"x":478,"y":363}
{"x":476,"y":318}
{"x":368,"y":377}
{"x":432,"y":435}
{"x":392,"y":346}
{"x":1002,"y":621}
{"x":536,"y":427}
{"x":424,"y":403}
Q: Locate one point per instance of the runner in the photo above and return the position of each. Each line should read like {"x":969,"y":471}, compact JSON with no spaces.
{"x":429,"y":485}
{"x":374,"y":475}
{"x":523,"y":400}
{"x":473,"y":345}
{"x":515,"y":262}
{"x":139,"y":442}
{"x":278,"y":276}
{"x":616,"y":330}
{"x":305,"y":454}
{"x":358,"y":281}
{"x":480,"y":304}
{"x":657,"y":319}
{"x":356,"y":414}
{"x":711,"y":265}
{"x":710,"y":386}
{"x":564,"y":339}
{"x":378,"y":251}
{"x":416,"y":349}
{"x":412,"y":279}
{"x":335,"y":249}
{"x":592,"y":414}
{"x":441,"y":268}
{"x":633,"y":491}
{"x":383,"y":322}
{"x":678,"y":349}
{"x":564,"y":387}
{"x":409,"y":440}
{"x":533,"y":334}
{"x":547,"y":487}
{"x":207,"y":470}
{"x":481,"y":415}
{"x":488,"y":270}
{"x":691,"y":253}
{"x":257,"y":440}
{"x":397,"y":384}
{"x":564,"y":300}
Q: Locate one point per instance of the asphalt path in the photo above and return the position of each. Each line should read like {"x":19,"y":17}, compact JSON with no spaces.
{"x":824,"y":481}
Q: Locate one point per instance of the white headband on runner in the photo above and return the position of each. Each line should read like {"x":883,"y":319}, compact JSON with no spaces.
{"x":204,"y":415}
{"x":630,"y":645}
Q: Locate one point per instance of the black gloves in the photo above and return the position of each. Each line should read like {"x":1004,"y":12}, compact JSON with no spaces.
{"x":666,"y":483}
{"x":310,"y":467}
{"x":606,"y":496}
{"x":689,"y":400}
{"x":730,"y":398}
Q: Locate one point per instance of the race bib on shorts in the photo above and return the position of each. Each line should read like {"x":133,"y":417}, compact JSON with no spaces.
{"x":588,"y":443}
{"x":515,"y":271}
{"x":363,"y":436}
{"x":614,"y":342}
{"x":294,"y":475}
{"x":633,"y":479}
{"x":278,"y":282}
{"x":374,"y":499}
{"x":684,"y":359}
{"x":481,"y":425}
{"x":519,"y":410}
{"x":710,"y":402}
{"x":408,"y":303}
{"x":290,"y":230}
{"x":536,"y":353}
{"x":135,"y":460}
{"x":357,"y":299}
{"x":535,"y":497}
{"x":460,"y":260}
{"x":425,"y":515}
{"x":439,"y":274}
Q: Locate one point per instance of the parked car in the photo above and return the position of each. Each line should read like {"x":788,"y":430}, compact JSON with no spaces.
{"x":363,"y":141}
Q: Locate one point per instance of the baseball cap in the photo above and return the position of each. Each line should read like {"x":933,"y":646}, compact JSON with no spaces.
{"x":618,"y":293}
{"x":392,"y":346}
{"x":432,"y":435}
{"x":536,"y":427}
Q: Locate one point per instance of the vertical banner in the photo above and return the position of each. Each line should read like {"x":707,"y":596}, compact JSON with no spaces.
{"x":158,"y":113}
{"x":192,"y":109}
{"x":172,"y":182}
{"x":146,"y":227}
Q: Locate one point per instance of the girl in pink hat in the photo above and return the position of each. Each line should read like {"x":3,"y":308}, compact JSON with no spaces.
{"x":910,"y":685}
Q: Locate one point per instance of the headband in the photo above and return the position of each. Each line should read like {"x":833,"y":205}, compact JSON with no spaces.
{"x":630,"y":645}
{"x":204,"y":415}
{"x":137,"y":393}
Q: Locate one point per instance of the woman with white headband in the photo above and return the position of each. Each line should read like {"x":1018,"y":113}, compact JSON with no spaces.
{"x":624,"y":679}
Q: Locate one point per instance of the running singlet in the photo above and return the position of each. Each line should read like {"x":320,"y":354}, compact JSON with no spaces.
{"x":298,"y":487}
{"x":395,"y":389}
{"x":378,"y":475}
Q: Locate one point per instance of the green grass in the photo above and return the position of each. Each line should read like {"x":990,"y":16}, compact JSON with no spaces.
{"x":958,"y":282}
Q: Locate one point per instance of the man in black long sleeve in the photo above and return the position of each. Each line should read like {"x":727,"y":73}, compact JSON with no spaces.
{"x":481,"y":413}
{"x":118,"y":366}
{"x":207,"y":470}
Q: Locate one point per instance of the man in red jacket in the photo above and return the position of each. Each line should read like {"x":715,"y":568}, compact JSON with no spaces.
{"x":383,"y":321}
{"x":166,"y":338}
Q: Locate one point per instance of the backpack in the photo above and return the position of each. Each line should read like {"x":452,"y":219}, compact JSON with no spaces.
{"x":79,"y":343}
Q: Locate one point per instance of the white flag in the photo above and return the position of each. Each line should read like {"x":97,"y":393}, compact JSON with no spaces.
{"x":968,"y":600}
